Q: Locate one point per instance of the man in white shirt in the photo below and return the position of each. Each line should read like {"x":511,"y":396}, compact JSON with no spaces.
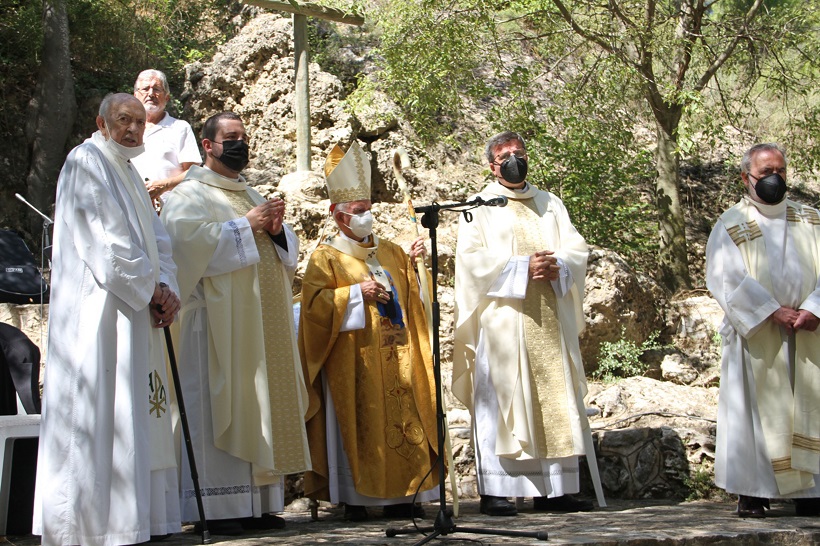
{"x":170,"y":145}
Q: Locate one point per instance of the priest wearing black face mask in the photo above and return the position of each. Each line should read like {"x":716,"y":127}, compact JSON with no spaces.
{"x":763,"y":268}
{"x":520,"y":273}
{"x":238,"y":359}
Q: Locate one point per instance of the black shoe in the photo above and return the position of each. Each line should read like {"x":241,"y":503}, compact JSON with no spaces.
{"x":807,"y":507}
{"x":229,"y":527}
{"x":751,"y":507}
{"x":354,"y":512}
{"x":160,"y":538}
{"x":564,"y":503}
{"x":497,"y":506}
{"x":265,"y":523}
{"x":405,"y":510}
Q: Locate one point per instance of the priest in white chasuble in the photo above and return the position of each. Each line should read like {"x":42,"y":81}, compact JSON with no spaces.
{"x":106,"y":470}
{"x":241,"y":375}
{"x":520,"y":272}
{"x":367,"y":359}
{"x":763,"y":268}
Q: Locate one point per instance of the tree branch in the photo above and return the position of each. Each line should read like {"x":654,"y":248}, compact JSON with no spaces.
{"x":727,"y":52}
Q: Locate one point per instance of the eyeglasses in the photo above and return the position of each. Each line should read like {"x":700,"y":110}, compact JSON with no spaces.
{"x":520,"y":154}
{"x":151,"y":90}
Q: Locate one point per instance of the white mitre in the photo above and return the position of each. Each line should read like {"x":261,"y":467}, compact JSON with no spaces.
{"x":347,"y":175}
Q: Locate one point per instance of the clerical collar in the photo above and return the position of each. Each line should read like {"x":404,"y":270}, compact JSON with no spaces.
{"x":496,"y":188}
{"x":769,"y":211}
{"x":210,"y":177}
{"x":363,"y":242}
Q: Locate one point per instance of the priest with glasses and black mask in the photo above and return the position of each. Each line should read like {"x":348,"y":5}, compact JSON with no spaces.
{"x":763,"y":268}
{"x":520,"y":273}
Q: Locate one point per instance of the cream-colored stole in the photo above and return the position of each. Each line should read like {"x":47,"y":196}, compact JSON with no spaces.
{"x":277,"y":325}
{"x":159,"y":422}
{"x":788,"y":416}
{"x":542,"y":334}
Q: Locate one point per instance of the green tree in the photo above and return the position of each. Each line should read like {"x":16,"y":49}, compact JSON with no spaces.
{"x":662,"y":57}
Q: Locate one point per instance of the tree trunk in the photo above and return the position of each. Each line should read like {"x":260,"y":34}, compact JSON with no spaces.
{"x":673,"y":260}
{"x":51,"y":111}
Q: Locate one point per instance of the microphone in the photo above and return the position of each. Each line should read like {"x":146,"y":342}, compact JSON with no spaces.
{"x":48,"y":220}
{"x":500,"y":201}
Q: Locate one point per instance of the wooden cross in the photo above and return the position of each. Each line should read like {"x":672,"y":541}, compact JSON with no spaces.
{"x":301,"y":51}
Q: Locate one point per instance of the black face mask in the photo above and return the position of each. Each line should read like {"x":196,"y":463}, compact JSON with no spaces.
{"x":771,"y":188}
{"x":234,"y":154}
{"x":514,"y":169}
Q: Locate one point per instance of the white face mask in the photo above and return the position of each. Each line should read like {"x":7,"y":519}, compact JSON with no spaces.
{"x":361,"y":224}
{"x":121,"y":151}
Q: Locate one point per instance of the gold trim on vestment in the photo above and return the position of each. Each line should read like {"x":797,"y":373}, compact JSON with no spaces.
{"x":277,"y":324}
{"x":808,"y":215}
{"x":542,"y":334}
{"x":745,"y":232}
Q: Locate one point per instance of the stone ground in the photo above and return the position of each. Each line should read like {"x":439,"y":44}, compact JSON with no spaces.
{"x":622,"y":523}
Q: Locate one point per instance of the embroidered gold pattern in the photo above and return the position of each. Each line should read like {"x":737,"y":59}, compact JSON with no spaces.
{"x":542,"y":333}
{"x":806,"y":214}
{"x":808,"y":443}
{"x":157,"y":395}
{"x":744,"y":232}
{"x":277,"y":324}
{"x":782,"y":464}
{"x":403,"y":430}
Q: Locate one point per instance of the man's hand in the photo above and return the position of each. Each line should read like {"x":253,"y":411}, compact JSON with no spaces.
{"x":260,"y":216}
{"x":374,"y":291}
{"x":785,"y":317}
{"x":156,"y":188}
{"x":544,"y":266}
{"x":277,"y":216}
{"x":806,"y":321}
{"x":417,"y":249}
{"x":164,"y":305}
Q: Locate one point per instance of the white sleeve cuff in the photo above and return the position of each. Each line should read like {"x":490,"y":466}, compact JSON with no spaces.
{"x":563,"y":283}
{"x":513,"y":279}
{"x":235,"y":250}
{"x":354,"y":313}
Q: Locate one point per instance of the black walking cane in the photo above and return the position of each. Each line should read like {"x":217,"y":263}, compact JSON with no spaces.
{"x":206,"y":535}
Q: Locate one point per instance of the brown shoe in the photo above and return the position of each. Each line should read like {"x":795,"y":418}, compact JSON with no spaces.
{"x":564,"y":503}
{"x":751,"y":507}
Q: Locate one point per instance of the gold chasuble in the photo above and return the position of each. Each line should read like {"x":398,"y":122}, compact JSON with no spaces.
{"x":789,"y":416}
{"x":380,"y":377}
{"x":256,"y":384}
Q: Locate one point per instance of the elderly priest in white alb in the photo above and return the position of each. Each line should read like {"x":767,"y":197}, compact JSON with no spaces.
{"x":107,"y":472}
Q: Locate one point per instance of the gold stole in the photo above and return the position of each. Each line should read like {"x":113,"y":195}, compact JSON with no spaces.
{"x":542,"y":335}
{"x":277,"y":321}
{"x":788,"y":417}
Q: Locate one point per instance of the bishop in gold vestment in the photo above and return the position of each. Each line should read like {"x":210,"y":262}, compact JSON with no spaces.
{"x":241,"y":375}
{"x":366,"y":356}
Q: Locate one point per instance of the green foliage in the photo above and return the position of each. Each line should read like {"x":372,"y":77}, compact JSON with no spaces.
{"x":429,"y":58}
{"x":113,"y":40}
{"x":700,"y":485}
{"x":622,"y":358}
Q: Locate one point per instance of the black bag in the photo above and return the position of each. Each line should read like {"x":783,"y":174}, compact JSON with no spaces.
{"x":20,"y":279}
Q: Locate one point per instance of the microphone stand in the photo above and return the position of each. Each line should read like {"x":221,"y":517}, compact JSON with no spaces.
{"x":45,"y":243}
{"x":444,"y":524}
